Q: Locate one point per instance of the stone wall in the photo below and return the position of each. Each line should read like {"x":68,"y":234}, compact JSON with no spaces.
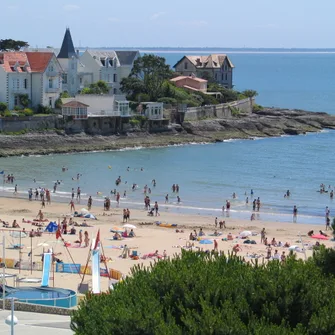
{"x":33,"y":308}
{"x":15,"y":124}
{"x":218,"y":111}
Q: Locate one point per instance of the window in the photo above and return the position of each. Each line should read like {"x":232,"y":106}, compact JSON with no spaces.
{"x":16,"y":100}
{"x":18,"y":83}
{"x":226,"y":77}
{"x":185,"y":65}
{"x":50,"y":83}
{"x":64,"y":77}
{"x":14,"y":84}
{"x":115,"y":78}
{"x":110,"y":61}
{"x":222,"y":76}
{"x":115,"y":91}
{"x":103,"y":61}
{"x":50,"y":102}
{"x":226,"y":68}
{"x":80,"y":80}
{"x":51,"y":68}
{"x":25,"y":83}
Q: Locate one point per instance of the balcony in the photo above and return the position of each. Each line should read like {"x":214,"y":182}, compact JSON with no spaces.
{"x":103,"y":113}
{"x":52,"y":90}
{"x":20,"y":90}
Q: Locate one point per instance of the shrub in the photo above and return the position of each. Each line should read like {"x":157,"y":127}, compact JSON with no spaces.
{"x":142,"y":97}
{"x":134,"y":122}
{"x":43,"y":109}
{"x":199,"y":293}
{"x":3,"y":106}
{"x":17,"y":108}
{"x":24,"y":100}
{"x":8,"y":114}
{"x":191,"y":103}
{"x":28,"y":112}
{"x":257,"y":108}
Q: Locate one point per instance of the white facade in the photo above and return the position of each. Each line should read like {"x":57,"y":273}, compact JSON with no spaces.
{"x":102,"y":105}
{"x":109,"y":66}
{"x":154,"y":110}
{"x":38,"y":78}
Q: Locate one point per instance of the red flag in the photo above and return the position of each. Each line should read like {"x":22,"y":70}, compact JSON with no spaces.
{"x":58,"y":234}
{"x":97,"y":240}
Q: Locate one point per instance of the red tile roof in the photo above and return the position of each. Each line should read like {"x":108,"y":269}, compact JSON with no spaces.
{"x":39,"y":60}
{"x":9,"y":59}
{"x":75,"y":104}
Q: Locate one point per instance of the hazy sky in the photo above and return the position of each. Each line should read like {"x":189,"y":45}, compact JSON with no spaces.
{"x":183,"y":23}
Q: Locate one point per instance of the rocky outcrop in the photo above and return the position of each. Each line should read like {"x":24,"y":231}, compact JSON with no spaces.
{"x":265,"y":123}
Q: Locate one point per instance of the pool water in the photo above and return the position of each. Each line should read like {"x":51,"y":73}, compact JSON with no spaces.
{"x":57,"y":297}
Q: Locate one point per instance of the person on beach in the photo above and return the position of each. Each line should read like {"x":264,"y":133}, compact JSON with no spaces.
{"x":246,"y":200}
{"x":276,"y":256}
{"x":263,"y":235}
{"x":124,"y":215}
{"x":216,"y":247}
{"x":228,"y":205}
{"x":268,"y":252}
{"x":236,"y":249}
{"x":178,"y":199}
{"x":36,"y":194}
{"x":177,"y":188}
{"x":258,"y":203}
{"x":328,"y":223}
{"x":72,"y":208}
{"x":216,"y":222}
{"x":118,"y":198}
{"x":89,"y":203}
{"x":166,"y":198}
{"x":78,"y":194}
{"x":43,"y":203}
{"x":295,"y":213}
{"x":283,"y":257}
{"x":15,"y":189}
{"x":128,"y":214}
{"x":72,"y":193}
{"x":80,"y":237}
{"x":40,"y":215}
{"x":156,"y":209}
{"x":254,"y":205}
{"x":86,"y":239}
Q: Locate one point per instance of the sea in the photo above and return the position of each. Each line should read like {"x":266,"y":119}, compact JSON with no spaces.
{"x":208,"y":174}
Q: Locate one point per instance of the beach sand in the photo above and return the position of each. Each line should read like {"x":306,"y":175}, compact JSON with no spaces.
{"x":149,"y":238}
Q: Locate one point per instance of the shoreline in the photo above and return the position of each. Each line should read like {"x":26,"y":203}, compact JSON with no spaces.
{"x":265,"y":123}
{"x":148,"y":237}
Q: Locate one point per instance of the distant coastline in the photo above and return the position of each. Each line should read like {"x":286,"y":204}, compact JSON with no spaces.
{"x":216,"y":49}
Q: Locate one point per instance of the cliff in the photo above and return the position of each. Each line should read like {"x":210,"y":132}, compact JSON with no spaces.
{"x":265,"y":123}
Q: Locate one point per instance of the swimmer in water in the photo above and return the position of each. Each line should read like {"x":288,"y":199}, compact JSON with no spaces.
{"x":178,"y":199}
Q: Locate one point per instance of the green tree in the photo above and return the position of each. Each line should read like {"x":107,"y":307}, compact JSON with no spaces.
{"x":3,"y":106}
{"x":100,"y":87}
{"x":12,"y":45}
{"x":152,"y":71}
{"x":24,"y":100}
{"x":200,"y":293}
{"x":250,"y":93}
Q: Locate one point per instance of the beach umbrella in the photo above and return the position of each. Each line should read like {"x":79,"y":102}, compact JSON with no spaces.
{"x":17,"y":234}
{"x":320,"y":237}
{"x":245,"y":233}
{"x":127,"y":225}
{"x":116,"y":230}
{"x":206,"y":242}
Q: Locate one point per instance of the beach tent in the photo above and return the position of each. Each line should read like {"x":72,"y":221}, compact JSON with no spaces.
{"x":84,"y":213}
{"x":51,"y":227}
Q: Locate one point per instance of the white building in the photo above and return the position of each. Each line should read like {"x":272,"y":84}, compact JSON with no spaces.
{"x":96,"y":106}
{"x":109,"y":66}
{"x":35,"y":74}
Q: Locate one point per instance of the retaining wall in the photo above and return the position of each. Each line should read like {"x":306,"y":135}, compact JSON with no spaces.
{"x":218,"y":111}
{"x":15,"y":124}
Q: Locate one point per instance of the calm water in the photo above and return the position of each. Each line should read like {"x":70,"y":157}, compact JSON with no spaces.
{"x":209,"y":174}
{"x":292,"y":80}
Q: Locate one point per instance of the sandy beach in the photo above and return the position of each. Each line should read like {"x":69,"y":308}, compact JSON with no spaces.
{"x":149,"y":237}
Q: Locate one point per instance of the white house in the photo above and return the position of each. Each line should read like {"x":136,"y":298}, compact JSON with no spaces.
{"x":109,"y":66}
{"x":36,"y":74}
{"x":83,"y":106}
{"x":152,"y":110}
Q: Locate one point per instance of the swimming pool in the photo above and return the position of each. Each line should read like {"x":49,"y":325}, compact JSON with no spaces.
{"x":47,"y":296}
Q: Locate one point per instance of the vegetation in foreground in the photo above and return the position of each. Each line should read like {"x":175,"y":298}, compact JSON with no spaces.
{"x":199,"y":293}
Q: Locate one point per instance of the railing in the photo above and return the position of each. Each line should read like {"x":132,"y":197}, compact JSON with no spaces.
{"x":52,"y":90}
{"x":156,"y":117}
{"x":109,"y":113}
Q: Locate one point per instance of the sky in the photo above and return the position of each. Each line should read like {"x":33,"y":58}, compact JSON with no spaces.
{"x":172,"y":23}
